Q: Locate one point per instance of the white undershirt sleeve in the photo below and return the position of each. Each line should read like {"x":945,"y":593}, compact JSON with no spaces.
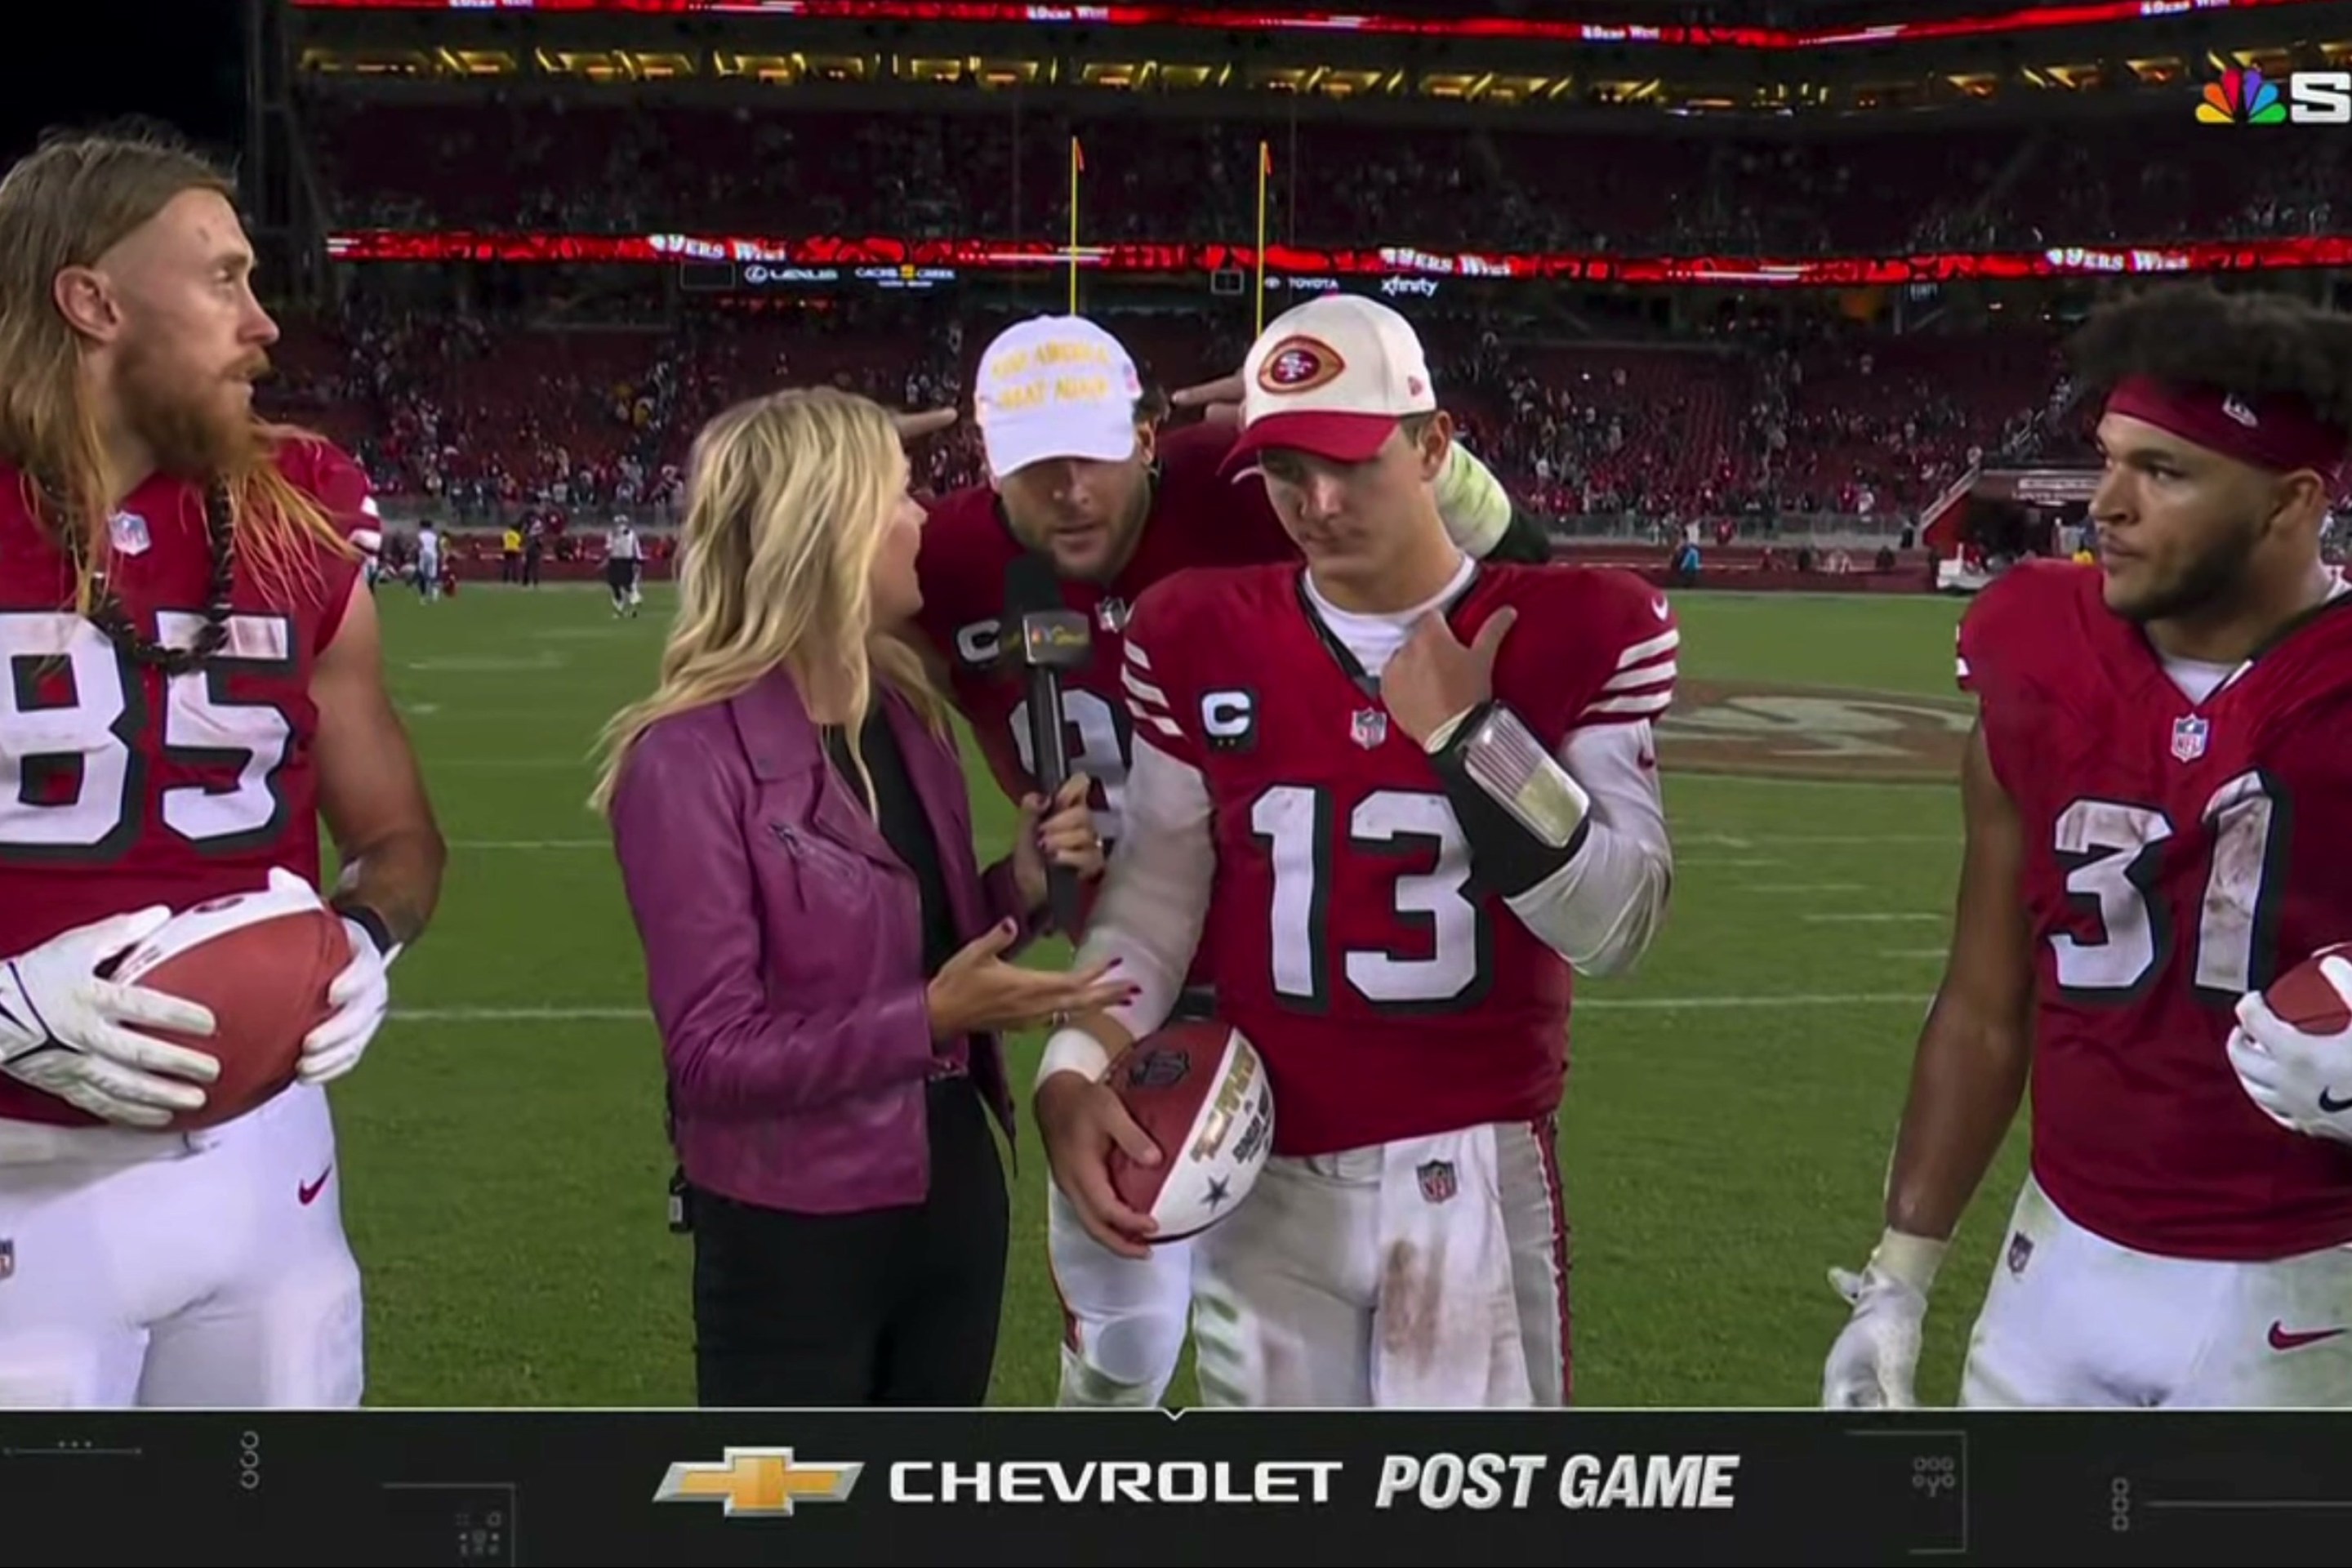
{"x":1155,"y":892}
{"x":1600,"y":910}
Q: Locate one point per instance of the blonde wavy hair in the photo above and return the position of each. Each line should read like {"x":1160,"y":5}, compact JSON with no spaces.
{"x":789,"y":498}
{"x":66,"y":205}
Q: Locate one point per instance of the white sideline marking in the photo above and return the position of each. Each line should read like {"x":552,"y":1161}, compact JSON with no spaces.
{"x":1583,"y":1003}
{"x":1872,"y":917}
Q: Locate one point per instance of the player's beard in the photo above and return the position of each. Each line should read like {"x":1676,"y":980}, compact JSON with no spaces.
{"x":196,"y":433}
{"x":2211,"y":579}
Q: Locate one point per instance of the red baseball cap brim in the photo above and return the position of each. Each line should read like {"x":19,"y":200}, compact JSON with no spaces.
{"x":1338,"y":437}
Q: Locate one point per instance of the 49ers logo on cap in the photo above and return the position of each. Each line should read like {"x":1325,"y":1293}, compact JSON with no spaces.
{"x":1299,"y":365}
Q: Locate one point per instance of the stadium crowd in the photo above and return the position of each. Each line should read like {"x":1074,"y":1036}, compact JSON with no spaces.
{"x":602,"y":166}
{"x":484,"y":414}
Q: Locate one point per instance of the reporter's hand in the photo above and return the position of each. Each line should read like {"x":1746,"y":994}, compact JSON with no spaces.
{"x":977,"y":990}
{"x":1081,"y":1120}
{"x":1061,"y":833}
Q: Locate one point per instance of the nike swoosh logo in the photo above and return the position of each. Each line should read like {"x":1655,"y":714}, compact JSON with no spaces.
{"x":2283,"y":1339}
{"x":2329,"y":1105}
{"x":308,"y":1191}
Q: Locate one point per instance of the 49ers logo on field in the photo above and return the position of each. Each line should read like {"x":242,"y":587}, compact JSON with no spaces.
{"x":1729,"y":727}
{"x":1299,"y":365}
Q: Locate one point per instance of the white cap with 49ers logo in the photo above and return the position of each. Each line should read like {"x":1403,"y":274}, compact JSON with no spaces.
{"x":1331,"y":377}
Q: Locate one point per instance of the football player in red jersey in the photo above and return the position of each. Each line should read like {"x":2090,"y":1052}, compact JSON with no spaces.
{"x":1078,"y":472}
{"x":1405,"y":793}
{"x":194,"y":681}
{"x":2156,"y":792}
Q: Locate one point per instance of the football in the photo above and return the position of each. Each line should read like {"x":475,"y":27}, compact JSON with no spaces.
{"x":262,"y":961}
{"x":1198,"y":1090}
{"x":2302,"y":996}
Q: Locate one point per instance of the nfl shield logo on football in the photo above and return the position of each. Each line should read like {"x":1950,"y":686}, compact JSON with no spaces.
{"x":2188,"y":733}
{"x":1369,"y":728}
{"x":1436,"y":1180}
{"x":129,"y":531}
{"x":2021,"y":1252}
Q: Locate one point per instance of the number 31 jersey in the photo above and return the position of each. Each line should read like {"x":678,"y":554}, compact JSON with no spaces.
{"x":1390,"y":996}
{"x":121,"y":787}
{"x":2178,"y":854}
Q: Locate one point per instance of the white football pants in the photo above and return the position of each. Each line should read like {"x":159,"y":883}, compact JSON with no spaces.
{"x":1430,"y":1272}
{"x":206,"y":1269}
{"x":1122,"y":1318}
{"x":2074,"y":1320}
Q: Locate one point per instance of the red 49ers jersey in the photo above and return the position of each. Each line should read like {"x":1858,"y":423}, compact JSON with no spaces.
{"x":1389,"y":995}
{"x":2179,"y":855}
{"x":121,"y":787}
{"x":1197,"y":519}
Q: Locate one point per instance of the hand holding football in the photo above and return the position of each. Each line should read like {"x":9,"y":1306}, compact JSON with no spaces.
{"x":1199,"y":1091}
{"x":262,"y":963}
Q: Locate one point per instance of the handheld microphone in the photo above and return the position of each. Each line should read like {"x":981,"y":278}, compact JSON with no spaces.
{"x":1046,"y":636}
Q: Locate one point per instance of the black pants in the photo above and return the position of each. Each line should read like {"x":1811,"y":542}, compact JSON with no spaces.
{"x":892,"y":1307}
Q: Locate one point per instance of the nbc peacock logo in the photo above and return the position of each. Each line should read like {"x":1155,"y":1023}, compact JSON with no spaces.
{"x":2241,"y":98}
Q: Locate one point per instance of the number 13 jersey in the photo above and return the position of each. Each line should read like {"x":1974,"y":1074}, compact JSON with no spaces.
{"x":2179,"y":853}
{"x":1390,"y":995}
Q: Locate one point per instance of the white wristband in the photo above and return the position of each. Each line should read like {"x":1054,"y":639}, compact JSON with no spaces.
{"x":1073,"y":1050}
{"x":1910,"y":1259}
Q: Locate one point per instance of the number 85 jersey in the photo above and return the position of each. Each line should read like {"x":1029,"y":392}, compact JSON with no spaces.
{"x":121,"y":786}
{"x":2181,"y":851}
{"x":1391,"y":995}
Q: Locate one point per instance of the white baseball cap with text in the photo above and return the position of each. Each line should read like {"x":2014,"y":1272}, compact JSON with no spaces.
{"x":1055,"y":386}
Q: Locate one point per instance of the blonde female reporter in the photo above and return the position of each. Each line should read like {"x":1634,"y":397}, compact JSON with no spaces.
{"x":826,"y":960}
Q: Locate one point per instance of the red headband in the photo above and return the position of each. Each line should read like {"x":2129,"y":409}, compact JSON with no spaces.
{"x":2278,"y":433}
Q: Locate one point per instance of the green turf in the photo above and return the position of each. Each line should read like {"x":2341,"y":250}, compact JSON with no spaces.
{"x":505,"y":1175}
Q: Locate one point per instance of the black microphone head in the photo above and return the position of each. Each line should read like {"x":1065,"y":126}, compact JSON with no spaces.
{"x":1031,"y":584}
{"x":1040,"y":628}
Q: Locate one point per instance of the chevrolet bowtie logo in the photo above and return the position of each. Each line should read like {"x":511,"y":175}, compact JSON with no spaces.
{"x":758,"y":1483}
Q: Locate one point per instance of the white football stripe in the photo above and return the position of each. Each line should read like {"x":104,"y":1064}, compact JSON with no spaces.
{"x":1159,"y":721}
{"x":1647,"y":675}
{"x":1640,"y":702}
{"x":1642,"y":652}
{"x":1143,"y":688}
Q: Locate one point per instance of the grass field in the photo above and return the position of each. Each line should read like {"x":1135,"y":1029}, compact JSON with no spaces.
{"x":1729,"y":1108}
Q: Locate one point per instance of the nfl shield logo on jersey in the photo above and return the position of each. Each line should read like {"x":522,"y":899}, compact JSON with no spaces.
{"x":1369,"y":728}
{"x":8,"y":1258}
{"x":2188,"y":733}
{"x":129,"y":531}
{"x":2021,"y":1252}
{"x":1436,"y":1180}
{"x":1110,"y":616}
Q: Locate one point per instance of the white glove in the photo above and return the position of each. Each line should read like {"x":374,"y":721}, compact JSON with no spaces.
{"x":361,"y":994}
{"x":2302,"y":1081}
{"x":1872,"y":1363}
{"x":62,"y":1027}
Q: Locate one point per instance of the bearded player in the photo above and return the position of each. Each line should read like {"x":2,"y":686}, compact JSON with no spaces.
{"x":194,"y":680}
{"x":1404,"y":794}
{"x":1079,"y":473}
{"x":2158,"y":794}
